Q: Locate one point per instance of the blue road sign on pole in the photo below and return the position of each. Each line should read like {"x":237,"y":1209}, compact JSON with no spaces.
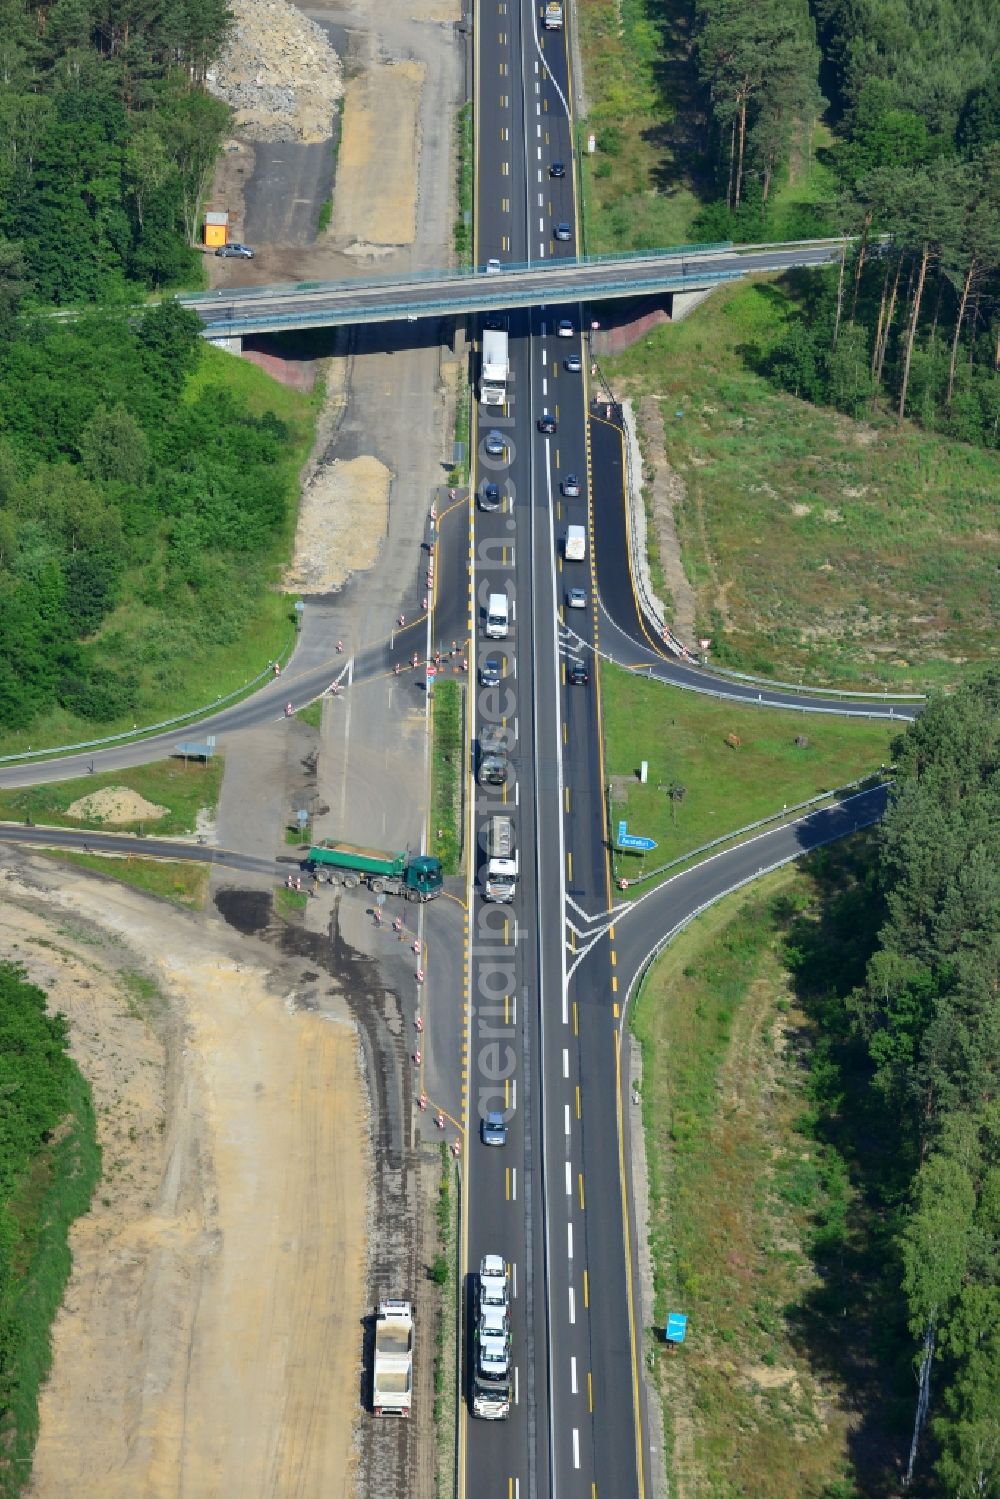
{"x":676,"y":1328}
{"x":632,"y":842}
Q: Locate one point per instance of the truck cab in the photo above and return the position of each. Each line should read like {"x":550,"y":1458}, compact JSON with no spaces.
{"x":424,"y":877}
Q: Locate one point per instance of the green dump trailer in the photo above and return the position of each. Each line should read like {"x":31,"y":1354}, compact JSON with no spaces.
{"x":415,"y":876}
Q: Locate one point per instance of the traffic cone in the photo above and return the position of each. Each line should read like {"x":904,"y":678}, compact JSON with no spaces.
{"x":439,"y":1121}
{"x":418,"y":1022}
{"x":340,"y":647}
{"x":422,"y":1101}
{"x":417,"y":1057}
{"x":420,"y":975}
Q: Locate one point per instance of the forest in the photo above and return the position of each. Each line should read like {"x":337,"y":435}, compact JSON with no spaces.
{"x":129,"y":482}
{"x":107,"y":143}
{"x":912,"y":321}
{"x":49,"y":1163}
{"x":900,"y":978}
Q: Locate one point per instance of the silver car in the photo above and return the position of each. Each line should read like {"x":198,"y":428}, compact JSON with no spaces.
{"x":576,"y":598}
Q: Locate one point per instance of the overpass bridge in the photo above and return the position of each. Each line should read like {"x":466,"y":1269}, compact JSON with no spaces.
{"x":233,"y":312}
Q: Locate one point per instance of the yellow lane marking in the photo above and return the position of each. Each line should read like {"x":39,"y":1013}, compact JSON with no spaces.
{"x":590,"y":1394}
{"x":586,"y":1289}
{"x":578,"y":1100}
{"x":614,"y":984}
{"x":614,"y":958}
{"x":614,"y":1010}
{"x":507,"y":1175}
{"x":569,"y":865}
{"x":566,"y":788}
{"x":576,"y":1019}
{"x":583,"y":1204}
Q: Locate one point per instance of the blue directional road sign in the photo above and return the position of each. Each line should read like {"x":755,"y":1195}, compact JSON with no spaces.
{"x":676,"y":1328}
{"x":633,"y":843}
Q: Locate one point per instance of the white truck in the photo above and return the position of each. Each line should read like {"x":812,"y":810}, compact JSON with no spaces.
{"x":553,"y":16}
{"x":392,"y":1376}
{"x":575,"y":545}
{"x":491,"y":1378}
{"x":501,"y":860}
{"x":495,"y":368}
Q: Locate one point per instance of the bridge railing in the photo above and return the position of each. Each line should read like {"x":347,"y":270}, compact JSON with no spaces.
{"x":454,"y":275}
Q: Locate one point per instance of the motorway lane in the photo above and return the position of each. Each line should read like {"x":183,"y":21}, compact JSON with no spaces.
{"x":625,"y":633}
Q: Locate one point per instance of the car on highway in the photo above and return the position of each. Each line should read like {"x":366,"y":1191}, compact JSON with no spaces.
{"x":489,"y":672}
{"x":495,"y":444}
{"x":563,"y":231}
{"x":546,"y":422}
{"x":576,"y":598}
{"x":573,"y":364}
{"x":489,"y":497}
{"x":492,"y":266}
{"x":577,"y":674}
{"x":557,"y":169}
{"x":571,"y":487}
{"x":235,"y":251}
{"x":494,"y":1129}
{"x":564,"y":328}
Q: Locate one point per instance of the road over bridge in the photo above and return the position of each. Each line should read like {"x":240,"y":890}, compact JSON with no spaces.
{"x":233,"y":312}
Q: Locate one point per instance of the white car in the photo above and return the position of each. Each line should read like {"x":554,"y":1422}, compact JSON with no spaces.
{"x":576,"y":598}
{"x":564,"y":328}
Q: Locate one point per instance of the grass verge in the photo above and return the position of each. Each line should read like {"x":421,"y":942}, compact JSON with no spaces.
{"x":462,"y":234}
{"x":746,"y":1199}
{"x":855,"y":553}
{"x":56,"y":1191}
{"x":181,"y":883}
{"x":684,"y":739}
{"x":289,"y":904}
{"x":312,"y":714}
{"x":447,"y":772}
{"x":185,"y":789}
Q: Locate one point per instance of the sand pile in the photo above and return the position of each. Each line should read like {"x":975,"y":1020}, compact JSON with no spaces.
{"x":115,"y":804}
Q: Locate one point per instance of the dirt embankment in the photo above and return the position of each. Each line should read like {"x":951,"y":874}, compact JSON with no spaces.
{"x":209,"y":1343}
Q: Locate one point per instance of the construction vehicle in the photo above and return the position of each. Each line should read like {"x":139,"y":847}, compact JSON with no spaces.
{"x":415,"y":876}
{"x":392,"y":1375}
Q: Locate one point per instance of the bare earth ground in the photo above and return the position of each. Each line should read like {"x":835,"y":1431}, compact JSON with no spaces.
{"x":380,"y":146}
{"x":343,"y":520}
{"x":218,"y":1279}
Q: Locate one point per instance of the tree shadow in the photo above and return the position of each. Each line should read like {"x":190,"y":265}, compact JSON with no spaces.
{"x":680,"y":134}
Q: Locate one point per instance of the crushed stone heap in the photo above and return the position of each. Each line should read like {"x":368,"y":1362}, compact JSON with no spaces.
{"x":279,"y":73}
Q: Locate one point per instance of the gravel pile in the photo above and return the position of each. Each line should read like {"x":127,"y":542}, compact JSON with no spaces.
{"x":279,"y":73}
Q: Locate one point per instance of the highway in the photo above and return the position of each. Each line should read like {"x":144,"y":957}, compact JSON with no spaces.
{"x":573,"y":1426}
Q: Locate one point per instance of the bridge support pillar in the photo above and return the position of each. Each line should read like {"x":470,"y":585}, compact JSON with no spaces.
{"x":683,"y":302}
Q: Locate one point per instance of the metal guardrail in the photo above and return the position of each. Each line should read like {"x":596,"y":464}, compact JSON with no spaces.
{"x":865,"y":783}
{"x":457,"y":275}
{"x":153,"y":728}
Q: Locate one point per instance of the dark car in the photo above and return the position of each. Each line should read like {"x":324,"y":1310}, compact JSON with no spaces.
{"x":489,"y":497}
{"x":489,"y":672}
{"x":557,"y":169}
{"x":577,"y":674}
{"x":546,"y":422}
{"x":564,"y":231}
{"x":235,"y":251}
{"x":495,"y":444}
{"x":571,"y":487}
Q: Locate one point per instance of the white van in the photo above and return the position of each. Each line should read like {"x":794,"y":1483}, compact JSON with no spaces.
{"x":575,"y":545}
{"x":497,"y":617}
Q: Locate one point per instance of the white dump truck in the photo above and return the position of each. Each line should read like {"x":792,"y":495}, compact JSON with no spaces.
{"x":392,"y":1376}
{"x":501,"y":860}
